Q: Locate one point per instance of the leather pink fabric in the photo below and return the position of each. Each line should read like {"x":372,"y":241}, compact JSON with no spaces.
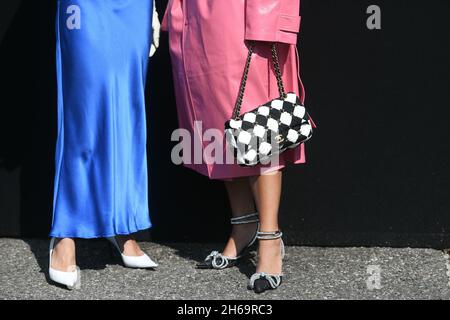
{"x":208,"y":51}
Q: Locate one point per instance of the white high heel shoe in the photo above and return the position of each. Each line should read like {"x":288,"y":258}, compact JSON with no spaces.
{"x":135,"y":262}
{"x":69,"y":279}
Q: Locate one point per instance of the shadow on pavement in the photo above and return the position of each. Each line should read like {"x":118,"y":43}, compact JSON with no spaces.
{"x":92,"y":254}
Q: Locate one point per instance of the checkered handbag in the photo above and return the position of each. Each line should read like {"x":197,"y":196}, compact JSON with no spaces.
{"x":270,"y":129}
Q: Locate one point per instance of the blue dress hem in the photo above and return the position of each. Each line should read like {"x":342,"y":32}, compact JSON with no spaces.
{"x":120,"y":233}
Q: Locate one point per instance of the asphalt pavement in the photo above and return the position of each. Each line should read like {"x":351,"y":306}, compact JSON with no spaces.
{"x":310,"y":273}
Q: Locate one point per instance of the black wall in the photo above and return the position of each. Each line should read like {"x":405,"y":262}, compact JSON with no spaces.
{"x":378,"y":170}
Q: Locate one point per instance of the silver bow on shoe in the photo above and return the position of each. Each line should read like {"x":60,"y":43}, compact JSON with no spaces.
{"x":261,"y":281}
{"x":273,"y":280}
{"x":219,"y":261}
{"x":216,"y":260}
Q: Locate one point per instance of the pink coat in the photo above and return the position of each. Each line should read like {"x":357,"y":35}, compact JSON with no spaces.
{"x":208,"y":51}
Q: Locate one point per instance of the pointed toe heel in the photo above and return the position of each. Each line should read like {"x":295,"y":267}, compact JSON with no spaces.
{"x":261,"y":281}
{"x":215,"y":260}
{"x":71,"y":280}
{"x":206,"y":264}
{"x":261,"y":285}
{"x":134,"y":262}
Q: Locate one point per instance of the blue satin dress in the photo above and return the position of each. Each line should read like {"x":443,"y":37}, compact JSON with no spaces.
{"x":101,"y":162}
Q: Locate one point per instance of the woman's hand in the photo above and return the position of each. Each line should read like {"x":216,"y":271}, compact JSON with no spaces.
{"x":156,"y":26}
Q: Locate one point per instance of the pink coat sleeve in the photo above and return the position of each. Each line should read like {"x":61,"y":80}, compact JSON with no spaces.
{"x":272,"y":20}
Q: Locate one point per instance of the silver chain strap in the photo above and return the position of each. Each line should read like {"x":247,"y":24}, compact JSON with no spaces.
{"x":276,"y":64}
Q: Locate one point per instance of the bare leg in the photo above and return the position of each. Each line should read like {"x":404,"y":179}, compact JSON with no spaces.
{"x":63,"y":258}
{"x":242,"y":203}
{"x":267,"y":192}
{"x":129,"y":246}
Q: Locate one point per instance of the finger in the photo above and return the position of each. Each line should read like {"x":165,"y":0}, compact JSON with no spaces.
{"x":152,"y":50}
{"x":156,"y":39}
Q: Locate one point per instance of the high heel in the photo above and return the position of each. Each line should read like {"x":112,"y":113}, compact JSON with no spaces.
{"x":135,"y":262}
{"x":69,"y":279}
{"x":216,"y":260}
{"x":261,"y":281}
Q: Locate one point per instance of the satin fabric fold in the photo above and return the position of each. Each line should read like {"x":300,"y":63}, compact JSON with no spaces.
{"x":101,"y":162}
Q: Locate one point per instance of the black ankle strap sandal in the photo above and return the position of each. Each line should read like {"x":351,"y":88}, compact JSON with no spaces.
{"x":215,"y":260}
{"x":261,"y":281}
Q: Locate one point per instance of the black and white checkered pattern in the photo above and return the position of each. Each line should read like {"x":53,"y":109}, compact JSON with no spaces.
{"x":268,"y":130}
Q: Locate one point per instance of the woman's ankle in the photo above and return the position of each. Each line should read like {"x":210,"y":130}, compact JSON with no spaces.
{"x":129,"y":246}
{"x":270,"y":256}
{"x":64,"y":255}
{"x":240,"y":238}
